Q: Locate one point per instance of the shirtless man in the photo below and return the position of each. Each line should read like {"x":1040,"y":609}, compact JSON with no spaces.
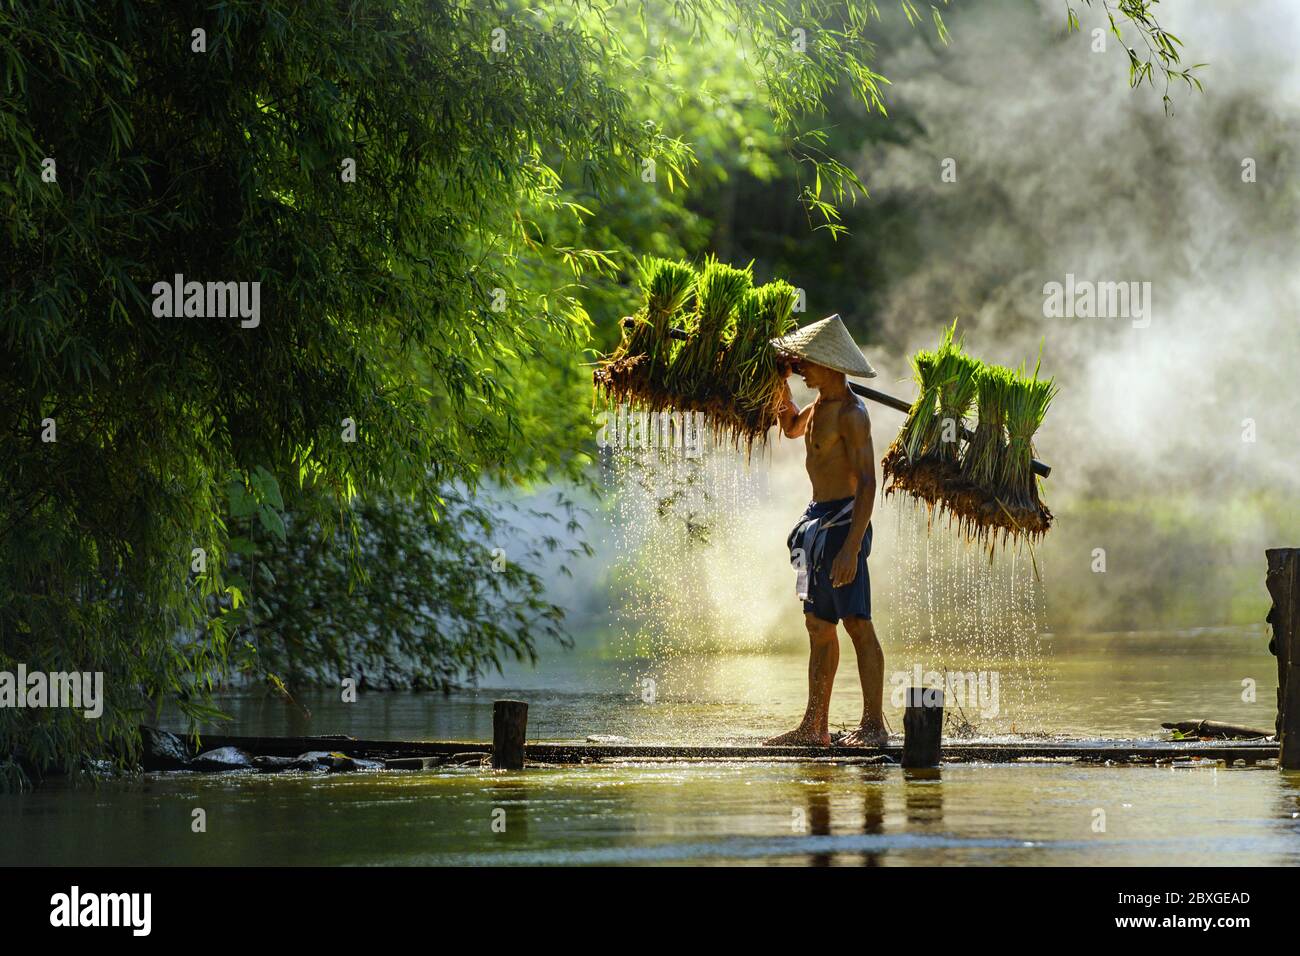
{"x":841,"y":464}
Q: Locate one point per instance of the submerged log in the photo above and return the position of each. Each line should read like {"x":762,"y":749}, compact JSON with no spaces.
{"x":1215,"y":730}
{"x":412,"y":763}
{"x":1284,"y":587}
{"x":509,"y":730}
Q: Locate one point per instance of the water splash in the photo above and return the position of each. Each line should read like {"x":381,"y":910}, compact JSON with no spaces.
{"x":956,"y":610}
{"x":676,"y":513}
{"x":683,"y":531}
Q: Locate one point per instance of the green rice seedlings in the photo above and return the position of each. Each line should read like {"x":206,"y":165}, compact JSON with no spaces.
{"x":924,"y":460}
{"x":692,"y":374}
{"x":899,"y":463}
{"x":1026,"y":407}
{"x":739,"y":352}
{"x":921,"y":427}
{"x":956,"y":395}
{"x":665,"y":286}
{"x":758,"y":381}
{"x":984,"y":461}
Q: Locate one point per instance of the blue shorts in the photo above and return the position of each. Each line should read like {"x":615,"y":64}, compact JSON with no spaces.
{"x":824,"y":601}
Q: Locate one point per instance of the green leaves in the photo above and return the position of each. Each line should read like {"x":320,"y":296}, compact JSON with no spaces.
{"x":1158,"y":51}
{"x":411,"y":301}
{"x":258,"y":496}
{"x":443,"y":595}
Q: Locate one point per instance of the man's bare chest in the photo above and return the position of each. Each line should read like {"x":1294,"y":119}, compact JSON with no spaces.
{"x":822,"y":438}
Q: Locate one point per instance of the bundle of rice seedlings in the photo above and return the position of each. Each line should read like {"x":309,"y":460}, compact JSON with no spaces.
{"x":983,"y":463}
{"x":985,"y":482}
{"x":742,"y":346}
{"x":1027,"y":402}
{"x":938,"y":477}
{"x":723,"y":407}
{"x":692,"y":378}
{"x":973,"y":499}
{"x":750,"y":372}
{"x":637,"y":369}
{"x":921,"y":426}
{"x":957,"y":387}
{"x":927,"y":458}
{"x":926,"y":452}
{"x":918,"y":431}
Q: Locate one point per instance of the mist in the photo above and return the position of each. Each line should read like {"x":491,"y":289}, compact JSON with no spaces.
{"x":1171,"y":443}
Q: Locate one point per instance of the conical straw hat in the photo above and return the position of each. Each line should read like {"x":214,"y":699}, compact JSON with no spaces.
{"x":828,"y":343}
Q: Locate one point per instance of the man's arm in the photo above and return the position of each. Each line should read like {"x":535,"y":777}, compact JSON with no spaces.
{"x":794,"y":422}
{"x":855,"y":430}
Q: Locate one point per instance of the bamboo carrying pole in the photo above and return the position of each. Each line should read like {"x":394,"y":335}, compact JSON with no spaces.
{"x":1040,"y":468}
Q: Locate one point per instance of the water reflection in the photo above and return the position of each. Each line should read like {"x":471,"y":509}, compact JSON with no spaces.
{"x":1289,"y":799}
{"x":739,"y":813}
{"x":508,"y":794}
{"x":923,"y":798}
{"x":874,"y":780}
{"x":818,"y":812}
{"x":671,"y":814}
{"x":841,"y":803}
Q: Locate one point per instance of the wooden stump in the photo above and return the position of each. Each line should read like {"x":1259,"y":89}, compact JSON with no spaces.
{"x":923,"y":727}
{"x":509,"y":730}
{"x":1284,"y":586}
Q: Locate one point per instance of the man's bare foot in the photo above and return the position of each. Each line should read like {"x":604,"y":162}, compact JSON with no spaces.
{"x":799,"y":737}
{"x":868,"y":735}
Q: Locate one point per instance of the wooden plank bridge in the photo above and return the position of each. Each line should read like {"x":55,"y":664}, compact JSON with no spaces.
{"x":444,"y":751}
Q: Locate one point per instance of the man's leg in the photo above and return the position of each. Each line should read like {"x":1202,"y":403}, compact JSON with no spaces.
{"x":823,"y":659}
{"x":871,"y":672}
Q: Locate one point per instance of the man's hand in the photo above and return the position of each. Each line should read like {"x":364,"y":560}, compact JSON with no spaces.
{"x":794,"y":421}
{"x":845,"y":566}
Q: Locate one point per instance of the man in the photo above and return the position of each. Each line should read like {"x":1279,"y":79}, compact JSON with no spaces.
{"x":830,"y":544}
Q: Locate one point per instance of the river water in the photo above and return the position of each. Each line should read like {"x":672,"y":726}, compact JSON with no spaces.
{"x":718,"y":813}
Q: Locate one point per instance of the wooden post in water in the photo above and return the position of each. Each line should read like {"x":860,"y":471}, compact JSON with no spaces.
{"x":1284,"y":586}
{"x":509,"y":730}
{"x":923,"y":727}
